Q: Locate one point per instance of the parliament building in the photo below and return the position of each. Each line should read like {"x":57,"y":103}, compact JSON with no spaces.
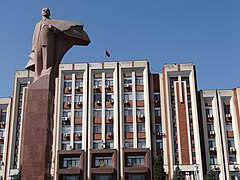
{"x":112,"y":120}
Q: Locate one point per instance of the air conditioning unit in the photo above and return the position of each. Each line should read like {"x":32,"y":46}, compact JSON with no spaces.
{"x":212,"y":149}
{"x":235,"y":166}
{"x":160,"y":134}
{"x":110,"y":118}
{"x":107,"y":86}
{"x":126,"y":101}
{"x":210,"y":116}
{"x":111,"y":100}
{"x":95,"y":87}
{"x":126,"y":85}
{"x":232,"y":149}
{"x":79,"y":102}
{"x":79,"y":87}
{"x":65,"y":118}
{"x":109,"y":133}
{"x":65,"y":135}
{"x":211,"y":132}
{"x":140,"y":116}
{"x":228,"y":115}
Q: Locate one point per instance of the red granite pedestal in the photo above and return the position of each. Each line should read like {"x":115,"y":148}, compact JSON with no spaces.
{"x":37,"y":130}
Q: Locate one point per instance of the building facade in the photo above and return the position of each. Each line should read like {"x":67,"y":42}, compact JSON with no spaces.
{"x":112,"y":119}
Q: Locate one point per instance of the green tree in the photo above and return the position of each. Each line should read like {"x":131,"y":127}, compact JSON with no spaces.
{"x":159,"y":173}
{"x":211,"y":175}
{"x":177,"y":174}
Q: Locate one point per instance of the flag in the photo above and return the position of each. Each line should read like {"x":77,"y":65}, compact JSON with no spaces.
{"x":107,"y":54}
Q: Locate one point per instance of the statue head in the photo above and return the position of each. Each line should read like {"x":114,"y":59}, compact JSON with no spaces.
{"x":46,"y":13}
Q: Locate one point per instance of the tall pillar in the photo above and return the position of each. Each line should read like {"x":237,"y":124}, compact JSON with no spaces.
{"x":37,"y":130}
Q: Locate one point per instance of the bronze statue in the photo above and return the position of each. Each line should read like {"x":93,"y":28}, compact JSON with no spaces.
{"x":51,"y":40}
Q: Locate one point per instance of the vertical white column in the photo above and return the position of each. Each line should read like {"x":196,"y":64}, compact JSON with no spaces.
{"x":72,"y":111}
{"x":134,"y":110}
{"x":90,"y":121}
{"x":121,"y":120}
{"x":84,"y":110}
{"x":147,"y":108}
{"x":103,"y":109}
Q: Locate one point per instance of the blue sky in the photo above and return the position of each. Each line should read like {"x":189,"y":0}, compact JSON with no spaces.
{"x":205,"y":32}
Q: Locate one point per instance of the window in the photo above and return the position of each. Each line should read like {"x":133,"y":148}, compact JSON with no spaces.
{"x":109,"y":96}
{"x":102,"y":160}
{"x":213,"y":159}
{"x":1,"y":148}
{"x":227,"y":109}
{"x":67,"y":98}
{"x":78,"y":129}
{"x":109,"y":82}
{"x":79,"y":83}
{"x":78,"y":98}
{"x":157,"y":97}
{"x":139,"y":96}
{"x":70,"y":162}
{"x":157,"y":112}
{"x":234,"y":175}
{"x":159,"y":144}
{"x":141,"y":127}
{"x":97,"y":97}
{"x":66,"y":145}
{"x":127,"y":112}
{"x":128,"y":96}
{"x":128,"y":81}
{"x":66,"y":129}
{"x":135,"y":160}
{"x":210,"y":127}
{"x":211,"y":143}
{"x":67,"y":83}
{"x":231,"y":142}
{"x":109,"y":128}
{"x":136,"y":176}
{"x":209,"y":110}
{"x":109,"y":144}
{"x":97,"y":113}
{"x":78,"y":113}
{"x":97,"y":144}
{"x":139,"y":81}
{"x":97,"y":128}
{"x":67,"y":113}
{"x":128,"y":143}
{"x":158,"y":127}
{"x":103,"y":177}
{"x":141,"y":143}
{"x":109,"y":112}
{"x":77,"y":145}
{"x":229,"y":127}
{"x":140,"y":111}
{"x":232,"y":159}
{"x":97,"y":82}
{"x":71,"y":177}
{"x":128,"y":127}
